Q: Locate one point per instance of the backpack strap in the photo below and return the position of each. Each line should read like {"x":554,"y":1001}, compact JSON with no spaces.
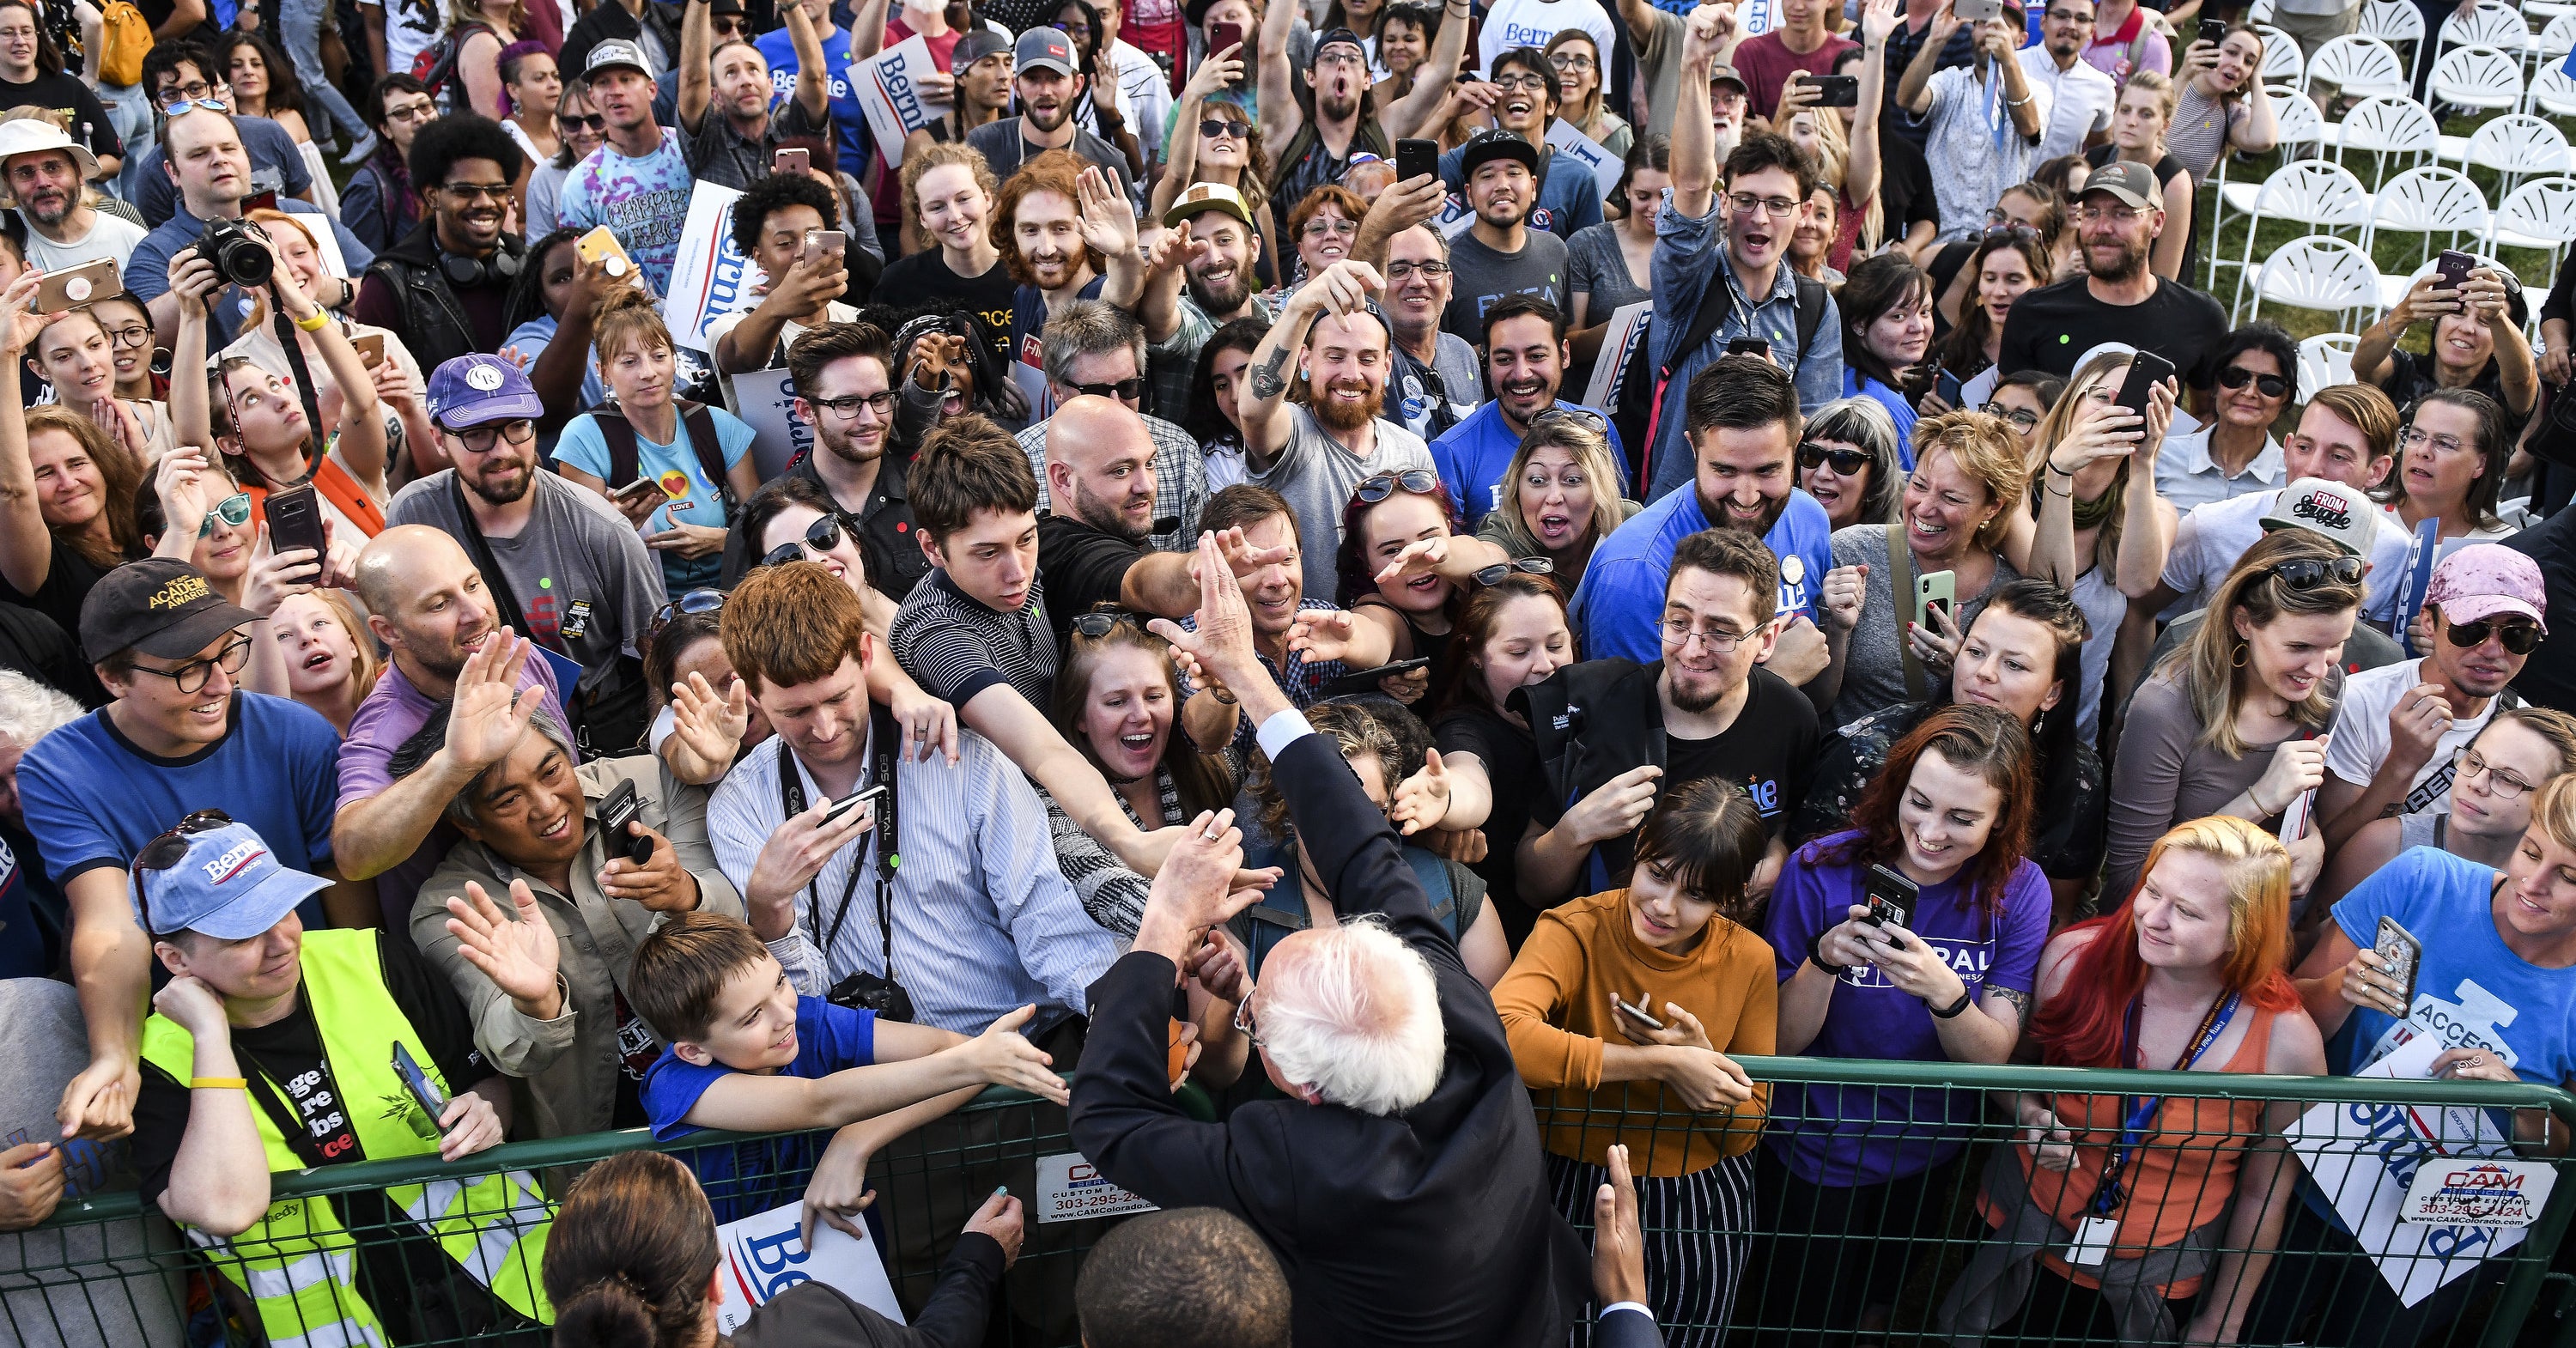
{"x":1897,"y":569}
{"x":698,"y":423}
{"x":624,"y":463}
{"x":1811,"y":313}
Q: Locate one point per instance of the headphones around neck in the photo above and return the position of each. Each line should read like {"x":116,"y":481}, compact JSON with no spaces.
{"x":502,"y":266}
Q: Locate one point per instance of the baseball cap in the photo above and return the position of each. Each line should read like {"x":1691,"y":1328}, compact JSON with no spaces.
{"x":35,"y":135}
{"x":1727,"y":73}
{"x":1207,"y":197}
{"x":1340,"y":35}
{"x":617,"y":51}
{"x":477,"y":390}
{"x":2133,"y":184}
{"x":977,"y":45}
{"x":2324,"y":506}
{"x":222,"y":882}
{"x":2485,"y":579}
{"x":1486,"y":146}
{"x":1046,"y":48}
{"x":160,"y":606}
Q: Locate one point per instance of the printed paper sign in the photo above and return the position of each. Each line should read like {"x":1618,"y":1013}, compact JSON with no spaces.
{"x":1627,"y":324}
{"x":1071,"y":1189}
{"x":2494,"y":1193}
{"x":764,"y":1256}
{"x":711,"y":277}
{"x":1606,"y":167}
{"x":767,"y":400}
{"x":888,"y":86}
{"x":2367,"y":1159}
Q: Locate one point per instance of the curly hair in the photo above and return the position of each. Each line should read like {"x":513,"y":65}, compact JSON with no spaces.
{"x":920,"y":162}
{"x":462,"y":135}
{"x":1356,"y":732}
{"x":777,"y":192}
{"x":1058,"y":172}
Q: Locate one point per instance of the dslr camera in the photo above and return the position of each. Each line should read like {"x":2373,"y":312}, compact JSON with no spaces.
{"x":237,"y":249}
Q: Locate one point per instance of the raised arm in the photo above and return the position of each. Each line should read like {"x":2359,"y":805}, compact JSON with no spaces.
{"x":867,"y":28}
{"x":361,"y":442}
{"x":374,"y":834}
{"x":813,"y":91}
{"x":1431,"y":82}
{"x":1262,"y":399}
{"x":2424,"y":300}
{"x":26,"y":548}
{"x":1914,"y":90}
{"x":697,"y":77}
{"x":1180,"y":167}
{"x":1878,"y":20}
{"x":219,"y":1179}
{"x":751,"y":1103}
{"x":1276,"y":89}
{"x":1108,"y":224}
{"x":1711,"y":34}
{"x":2147,"y":527}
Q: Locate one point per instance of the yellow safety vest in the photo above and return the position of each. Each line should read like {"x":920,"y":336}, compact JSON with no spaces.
{"x":298,"y":1262}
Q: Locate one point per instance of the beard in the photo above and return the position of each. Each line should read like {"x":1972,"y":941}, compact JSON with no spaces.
{"x":1347,"y":417}
{"x":1047,"y":119}
{"x":1722,"y":517}
{"x":1104,"y":516}
{"x":842,"y":444}
{"x":1704,"y":691}
{"x":479,"y":484}
{"x":2131,"y":261}
{"x":1213,"y":300}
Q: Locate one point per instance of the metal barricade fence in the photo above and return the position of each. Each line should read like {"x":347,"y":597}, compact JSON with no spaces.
{"x":1860,"y":1231}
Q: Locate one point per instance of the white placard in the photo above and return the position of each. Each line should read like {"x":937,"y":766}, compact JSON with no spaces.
{"x":2365,"y":1158}
{"x":767,"y":400}
{"x":888,"y":86}
{"x":1606,"y":167}
{"x":1071,"y":1189}
{"x":711,"y":277}
{"x":2493,"y":1193}
{"x":1603,"y":391}
{"x":764,"y":1256}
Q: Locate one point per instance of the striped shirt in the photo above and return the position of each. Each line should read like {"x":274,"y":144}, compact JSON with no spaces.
{"x":984,"y":922}
{"x":955,"y":645}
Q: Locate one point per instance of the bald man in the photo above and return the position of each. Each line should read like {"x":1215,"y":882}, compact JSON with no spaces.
{"x":1093,"y":541}
{"x":427,"y":604}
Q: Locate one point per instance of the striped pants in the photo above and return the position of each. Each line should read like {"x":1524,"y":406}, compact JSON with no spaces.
{"x":1698,"y":1228}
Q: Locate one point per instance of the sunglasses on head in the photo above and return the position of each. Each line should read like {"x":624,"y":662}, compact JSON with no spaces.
{"x":822,"y":535}
{"x":1100,"y":621}
{"x":695,"y":601}
{"x":1378,"y":487}
{"x":233,"y":510}
{"x":1845,"y":462}
{"x":2519,"y":636}
{"x":1581,"y":416}
{"x":1527,"y":566}
{"x":2269,"y":385}
{"x":2307,"y":573}
{"x":168,"y":849}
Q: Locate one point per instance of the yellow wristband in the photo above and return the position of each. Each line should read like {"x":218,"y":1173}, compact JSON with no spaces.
{"x":218,"y":1083}
{"x":316,"y":323}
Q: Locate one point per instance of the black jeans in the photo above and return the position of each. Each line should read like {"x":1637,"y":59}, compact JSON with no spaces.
{"x":1822,"y":1254}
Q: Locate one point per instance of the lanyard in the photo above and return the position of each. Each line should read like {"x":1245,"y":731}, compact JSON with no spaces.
{"x":2141,"y":1111}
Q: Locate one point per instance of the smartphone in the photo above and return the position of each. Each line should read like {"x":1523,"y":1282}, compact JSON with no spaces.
{"x":2294,"y":820}
{"x":615,"y":813}
{"x":1947,"y":384}
{"x":1177,"y":1065}
{"x":1836,"y":91}
{"x":2452,"y":266}
{"x":295,"y":520}
{"x":1977,"y":11}
{"x":636,"y":492}
{"x":2146,"y":370}
{"x":1226,"y":33}
{"x":1749,"y":346}
{"x":371,"y":348}
{"x":1387,"y":670}
{"x":792,"y":160}
{"x":1891,"y":896}
{"x":601,"y":245}
{"x":2213,"y":31}
{"x":1939,"y":590}
{"x":1636,"y":1011}
{"x":826,"y":243}
{"x":2401,"y":953}
{"x":432,"y":1100}
{"x":841,"y":808}
{"x":92,"y":280}
{"x":1416,"y":159}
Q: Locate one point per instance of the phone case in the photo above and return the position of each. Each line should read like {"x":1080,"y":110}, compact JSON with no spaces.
{"x":1941,"y":589}
{"x":295,"y":520}
{"x":2145,"y":371}
{"x":2404,"y":953}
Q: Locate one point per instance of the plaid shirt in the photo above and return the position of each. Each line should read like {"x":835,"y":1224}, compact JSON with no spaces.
{"x":1302,"y":679}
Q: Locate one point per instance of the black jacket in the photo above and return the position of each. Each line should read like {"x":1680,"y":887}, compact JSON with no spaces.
{"x":610,"y":19}
{"x":434,"y":325}
{"x":1430,"y":1230}
{"x":1591,"y":722}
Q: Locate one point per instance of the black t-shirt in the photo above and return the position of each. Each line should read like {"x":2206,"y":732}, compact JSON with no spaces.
{"x":1510,"y":758}
{"x":38,"y":647}
{"x":62,"y":93}
{"x":1768,"y":750}
{"x":2410,"y":377}
{"x":1904,"y":184}
{"x":2052,"y":327}
{"x":68,"y":579}
{"x":925,"y":278}
{"x":2546,"y":681}
{"x":1083,"y":567}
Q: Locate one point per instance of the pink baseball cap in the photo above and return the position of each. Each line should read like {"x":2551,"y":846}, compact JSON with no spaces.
{"x":2484,"y":579}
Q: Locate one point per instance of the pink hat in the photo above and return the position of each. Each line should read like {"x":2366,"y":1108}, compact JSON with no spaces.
{"x":2484,"y":579}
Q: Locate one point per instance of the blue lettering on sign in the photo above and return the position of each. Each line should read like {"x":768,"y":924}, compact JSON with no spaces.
{"x":774,"y":1261}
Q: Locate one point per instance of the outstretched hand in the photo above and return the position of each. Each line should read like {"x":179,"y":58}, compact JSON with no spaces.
{"x":1194,"y":891}
{"x":1222,"y":640}
{"x":519,"y":956}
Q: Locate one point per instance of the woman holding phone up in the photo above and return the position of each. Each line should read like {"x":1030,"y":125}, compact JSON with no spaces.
{"x":2103,"y":532}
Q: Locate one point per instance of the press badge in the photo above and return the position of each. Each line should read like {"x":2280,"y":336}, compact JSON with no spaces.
{"x":2092,"y":1241}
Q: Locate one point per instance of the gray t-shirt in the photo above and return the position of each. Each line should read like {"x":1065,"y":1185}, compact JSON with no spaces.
{"x":581,"y":574}
{"x":1316,"y":475}
{"x":47,"y":1049}
{"x":1874,"y":667}
{"x":1481,"y":275}
{"x":1595,"y":266}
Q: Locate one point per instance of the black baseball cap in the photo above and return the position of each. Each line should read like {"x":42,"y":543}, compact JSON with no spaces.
{"x":1486,"y":146}
{"x":160,"y":606}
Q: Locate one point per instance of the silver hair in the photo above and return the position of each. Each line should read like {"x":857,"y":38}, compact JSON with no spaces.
{"x":460,"y":807}
{"x":30,"y":710}
{"x":1087,"y":328}
{"x":1356,"y":1016}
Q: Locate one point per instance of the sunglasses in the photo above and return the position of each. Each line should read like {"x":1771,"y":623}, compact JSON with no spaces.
{"x":1101,"y":621}
{"x":2519,"y":638}
{"x":597,"y":121}
{"x":822,"y":535}
{"x":233,"y":510}
{"x":1419,"y":481}
{"x":2269,"y":385}
{"x":695,"y":601}
{"x":1580,"y":416}
{"x":168,"y":849}
{"x":1213,"y":128}
{"x":1125,"y":390}
{"x":1845,"y":462}
{"x":2307,"y":573}
{"x":1527,"y":566}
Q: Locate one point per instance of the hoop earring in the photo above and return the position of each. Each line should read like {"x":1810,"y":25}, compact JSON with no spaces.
{"x":2242,"y":648}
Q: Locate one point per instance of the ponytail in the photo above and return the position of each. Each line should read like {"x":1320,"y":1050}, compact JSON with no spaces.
{"x":630,"y":1255}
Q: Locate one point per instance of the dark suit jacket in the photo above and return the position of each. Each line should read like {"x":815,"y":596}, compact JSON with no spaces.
{"x":1627,"y":1329}
{"x":1430,"y":1229}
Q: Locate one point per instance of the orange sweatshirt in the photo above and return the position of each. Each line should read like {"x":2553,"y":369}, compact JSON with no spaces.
{"x":1555,"y":1005}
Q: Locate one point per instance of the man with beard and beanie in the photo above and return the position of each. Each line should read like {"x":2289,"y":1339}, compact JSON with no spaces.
{"x":1096,"y":507}
{"x":1742,"y":424}
{"x":1526,"y":97}
{"x":1500,"y":255}
{"x":565,"y":572}
{"x":1199,"y":277}
{"x":445,"y":286}
{"x":1043,"y":76}
{"x":1310,"y":129}
{"x":1064,"y":237}
{"x":1314,"y":447}
{"x":1091,"y":348}
{"x":41,"y":172}
{"x":2118,"y":299}
{"x":1525,"y":359}
{"x":1982,"y":121}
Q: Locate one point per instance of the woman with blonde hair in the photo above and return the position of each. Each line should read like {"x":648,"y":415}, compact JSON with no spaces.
{"x":949,"y":193}
{"x":331,"y":661}
{"x":2191,"y":974}
{"x":1565,"y":497}
{"x":2139,"y":121}
{"x":1576,"y":58}
{"x":2495,"y":777}
{"x":2102,"y":530}
{"x":2229,"y":722}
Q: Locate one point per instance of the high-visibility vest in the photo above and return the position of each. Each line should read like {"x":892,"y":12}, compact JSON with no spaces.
{"x":297,"y":1263}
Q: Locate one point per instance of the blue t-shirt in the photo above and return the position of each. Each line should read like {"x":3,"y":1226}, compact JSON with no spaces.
{"x":2471,"y":989}
{"x":692,"y":498}
{"x":645,"y":202}
{"x":1622,"y":594}
{"x":741,"y":1180}
{"x":849,"y":120}
{"x":1568,"y":199}
{"x":1858,"y":385}
{"x":1473,"y":455}
{"x":93,"y":798}
{"x":1853,"y":1135}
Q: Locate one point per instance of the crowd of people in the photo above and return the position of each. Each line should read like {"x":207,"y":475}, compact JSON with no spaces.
{"x":1434,"y":573}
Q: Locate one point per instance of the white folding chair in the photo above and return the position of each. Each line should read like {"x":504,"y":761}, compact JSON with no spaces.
{"x":2319,"y":273}
{"x":2488,"y":25}
{"x":2559,"y":37}
{"x":2283,"y":62}
{"x":2540,"y":214}
{"x":2397,"y":23}
{"x":2360,"y":66}
{"x":2488,"y":79}
{"x":2317,"y":193}
{"x":2553,"y":90}
{"x":2381,"y":127}
{"x":2325,"y":360}
{"x":2429,"y":201}
{"x":2514,"y":147}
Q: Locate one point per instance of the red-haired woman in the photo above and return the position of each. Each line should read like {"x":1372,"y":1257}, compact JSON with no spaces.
{"x":2191,"y":974}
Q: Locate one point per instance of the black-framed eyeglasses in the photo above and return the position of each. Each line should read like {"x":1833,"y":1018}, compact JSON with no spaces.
{"x":483,"y":439}
{"x":1527,"y":566}
{"x":198,"y":91}
{"x":2022,"y":418}
{"x":425,"y":111}
{"x":1845,"y":462}
{"x":2503,"y":785}
{"x":822,"y":536}
{"x":167,"y":849}
{"x":1125,"y":390}
{"x":847,"y":409}
{"x":193,"y":676}
{"x":1101,"y":620}
{"x":1678,"y":630}
{"x":2519,"y":637}
{"x":1379,"y":486}
{"x":568,"y":121}
{"x":137,"y":336}
{"x":233,"y":510}
{"x":2307,"y":573}
{"x":2269,"y":385}
{"x":695,"y":601}
{"x":1214,"y":127}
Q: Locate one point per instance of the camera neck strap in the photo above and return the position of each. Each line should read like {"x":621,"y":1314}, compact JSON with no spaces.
{"x":884,"y":755}
{"x":295,"y":365}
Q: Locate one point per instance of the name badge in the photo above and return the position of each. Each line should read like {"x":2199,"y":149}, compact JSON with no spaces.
{"x":2092,"y":1242}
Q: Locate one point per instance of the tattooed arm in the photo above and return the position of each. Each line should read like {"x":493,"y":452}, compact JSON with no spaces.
{"x":1262,"y":397}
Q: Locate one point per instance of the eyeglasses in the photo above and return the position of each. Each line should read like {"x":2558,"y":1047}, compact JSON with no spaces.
{"x":138,"y":335}
{"x":1846,"y":462}
{"x":1525,"y":83}
{"x":695,"y":601}
{"x":821,"y":536}
{"x":193,"y":676}
{"x":2269,"y":385}
{"x":195,"y":91}
{"x":1566,"y":60}
{"x":167,"y":849}
{"x":1430,"y":271}
{"x":2121,"y":215}
{"x":2447,"y":444}
{"x":1316,"y":229}
{"x":472,"y":192}
{"x":564,"y":120}
{"x":483,"y":439}
{"x":2022,"y":418}
{"x":1378,"y":487}
{"x":2518,"y":637}
{"x":1125,"y":390}
{"x":730,"y":26}
{"x":1678,"y":630}
{"x":2307,"y":573}
{"x":1101,"y":620}
{"x":1339,"y":58}
{"x":2069,"y":16}
{"x":1213,"y":128}
{"x":1747,"y":204}
{"x":234,"y":510}
{"x":1243,"y":1022}
{"x":1527,"y":566}
{"x":847,"y":409}
{"x":425,"y":110}
{"x":2502,"y":784}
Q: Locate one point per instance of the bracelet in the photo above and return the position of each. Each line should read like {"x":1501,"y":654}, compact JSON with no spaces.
{"x":218,"y":1083}
{"x":1223,"y":697}
{"x":1815,"y":956}
{"x":316,"y":323}
{"x":1955,"y":1009}
{"x":2021,"y":102}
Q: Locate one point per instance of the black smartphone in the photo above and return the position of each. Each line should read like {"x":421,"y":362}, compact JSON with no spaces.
{"x":1383,"y":671}
{"x":1416,"y":159}
{"x":2453,"y":267}
{"x":1749,"y":346}
{"x":1226,"y":33}
{"x":2145,"y":372}
{"x":1891,"y":896}
{"x":1948,"y":385}
{"x":423,"y":1090}
{"x":2213,"y":31}
{"x":841,"y":808}
{"x":615,"y":813}
{"x":1836,"y":91}
{"x":295,"y":520}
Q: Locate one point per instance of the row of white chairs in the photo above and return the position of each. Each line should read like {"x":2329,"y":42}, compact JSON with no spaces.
{"x":2398,"y":23}
{"x":2431,"y":202}
{"x":2480,"y":77}
{"x":2325,"y":274}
